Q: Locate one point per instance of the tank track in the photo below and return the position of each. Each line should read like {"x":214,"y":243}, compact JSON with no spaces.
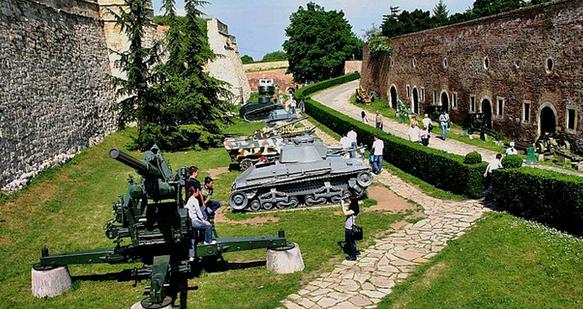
{"x":328,"y":193}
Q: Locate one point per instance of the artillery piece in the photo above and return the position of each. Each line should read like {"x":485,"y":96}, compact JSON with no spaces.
{"x":152,"y":217}
{"x":558,"y":144}
{"x":307,"y":173}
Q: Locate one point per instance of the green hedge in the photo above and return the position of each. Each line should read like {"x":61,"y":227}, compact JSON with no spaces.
{"x":441,"y":169}
{"x":544,"y":196}
{"x":304,"y":92}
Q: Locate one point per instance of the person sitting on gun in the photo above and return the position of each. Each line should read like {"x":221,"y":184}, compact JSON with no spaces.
{"x":207,"y":191}
{"x":198,"y":219}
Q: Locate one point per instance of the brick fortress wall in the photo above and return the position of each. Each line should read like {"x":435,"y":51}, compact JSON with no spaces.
{"x":55,"y":92}
{"x":529,"y":61}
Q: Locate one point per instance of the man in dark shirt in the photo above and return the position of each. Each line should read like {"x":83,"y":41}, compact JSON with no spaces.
{"x":191,"y":181}
{"x":207,"y":192}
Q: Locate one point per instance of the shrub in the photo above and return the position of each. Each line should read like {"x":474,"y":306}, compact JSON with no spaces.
{"x":441,"y":169}
{"x":544,"y":196}
{"x":304,"y":92}
{"x":473,"y":157}
{"x":512,"y":161}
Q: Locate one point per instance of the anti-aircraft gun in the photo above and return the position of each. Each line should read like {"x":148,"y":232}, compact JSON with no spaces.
{"x":158,"y":230}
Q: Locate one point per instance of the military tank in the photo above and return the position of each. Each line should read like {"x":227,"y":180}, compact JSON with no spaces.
{"x":307,"y":173}
{"x":248,"y":150}
{"x":264,"y":145}
{"x":260,"y":110}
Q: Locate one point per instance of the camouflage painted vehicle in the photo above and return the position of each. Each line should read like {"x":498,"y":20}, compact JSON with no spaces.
{"x":307,"y":173}
{"x":252,"y":149}
{"x":264,"y":145}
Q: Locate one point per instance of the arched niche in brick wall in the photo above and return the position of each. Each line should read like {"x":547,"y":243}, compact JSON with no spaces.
{"x":486,"y":108}
{"x":547,"y":119}
{"x":393,"y":96}
{"x":444,"y":100}
{"x":415,"y":100}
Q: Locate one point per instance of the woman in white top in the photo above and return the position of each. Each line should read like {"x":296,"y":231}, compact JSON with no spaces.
{"x":350,"y":212}
{"x":198,"y":218}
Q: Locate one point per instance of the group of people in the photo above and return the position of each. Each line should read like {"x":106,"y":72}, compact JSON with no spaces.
{"x":201,"y":209}
{"x":378,"y":119}
{"x":417,"y":135}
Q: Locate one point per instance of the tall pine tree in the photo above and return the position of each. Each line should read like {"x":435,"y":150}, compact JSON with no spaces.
{"x":139,"y":101}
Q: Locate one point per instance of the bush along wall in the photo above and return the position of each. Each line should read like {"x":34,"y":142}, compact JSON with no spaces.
{"x":304,"y":92}
{"x":544,"y":196}
{"x":441,"y":169}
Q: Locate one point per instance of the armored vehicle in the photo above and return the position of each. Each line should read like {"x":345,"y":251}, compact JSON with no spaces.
{"x":250,"y":150}
{"x":279,"y":117}
{"x":152,"y":226}
{"x":307,"y":173}
{"x":260,"y":110}
{"x":264,"y":145}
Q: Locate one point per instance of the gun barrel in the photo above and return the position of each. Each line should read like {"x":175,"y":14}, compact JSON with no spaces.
{"x":142,"y":167}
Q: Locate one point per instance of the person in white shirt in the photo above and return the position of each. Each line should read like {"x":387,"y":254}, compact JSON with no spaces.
{"x":378,"y":147}
{"x":198,"y":218}
{"x":345,"y":142}
{"x":352,"y":136}
{"x":426,"y":122}
{"x":414,"y":133}
{"x":493,"y":165}
{"x":511,"y":150}
{"x":293,"y":106}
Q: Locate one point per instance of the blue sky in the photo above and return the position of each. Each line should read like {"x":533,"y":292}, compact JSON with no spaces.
{"x":259,"y":25}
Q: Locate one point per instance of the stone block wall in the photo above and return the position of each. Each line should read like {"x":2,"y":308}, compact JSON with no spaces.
{"x":55,"y":93}
{"x":227,"y":66}
{"x":352,"y":66}
{"x":279,"y":76}
{"x":529,"y":56}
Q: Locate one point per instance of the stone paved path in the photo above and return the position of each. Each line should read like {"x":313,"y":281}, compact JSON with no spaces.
{"x":339,"y":98}
{"x":362,"y":284}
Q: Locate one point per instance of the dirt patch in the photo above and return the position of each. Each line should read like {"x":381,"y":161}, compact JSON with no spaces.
{"x":255,"y":220}
{"x":216,"y":172}
{"x":387,"y":200}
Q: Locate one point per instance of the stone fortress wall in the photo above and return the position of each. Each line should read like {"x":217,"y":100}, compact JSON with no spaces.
{"x":55,"y":94}
{"x":227,"y":66}
{"x":524,"y":68}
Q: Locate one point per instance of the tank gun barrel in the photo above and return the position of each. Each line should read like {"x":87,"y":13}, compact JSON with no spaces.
{"x":142,"y":167}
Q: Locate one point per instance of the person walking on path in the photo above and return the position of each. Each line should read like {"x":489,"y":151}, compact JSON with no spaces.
{"x":293,"y":106}
{"x":378,"y":121}
{"x":427,"y":123}
{"x":378,"y":147}
{"x":350,"y":211}
{"x":363,"y":117}
{"x":302,"y":105}
{"x":493,"y":165}
{"x":443,"y":122}
{"x":353,"y":142}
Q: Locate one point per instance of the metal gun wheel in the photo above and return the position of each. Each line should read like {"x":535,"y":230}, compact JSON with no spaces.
{"x":238,"y":201}
{"x":255,"y":205}
{"x":364,"y":179}
{"x":310,"y":200}
{"x":267,"y":206}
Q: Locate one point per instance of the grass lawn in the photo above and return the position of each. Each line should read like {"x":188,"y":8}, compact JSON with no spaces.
{"x":456,"y":133}
{"x":503,"y":262}
{"x":67,"y":207}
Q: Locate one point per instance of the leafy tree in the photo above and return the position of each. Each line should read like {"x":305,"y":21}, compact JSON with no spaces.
{"x":247,"y":59}
{"x":140,"y":101}
{"x":489,"y":7}
{"x":318,"y":43}
{"x":440,"y":14}
{"x":406,"y":22}
{"x":278,"y":55}
{"x":371,"y":33}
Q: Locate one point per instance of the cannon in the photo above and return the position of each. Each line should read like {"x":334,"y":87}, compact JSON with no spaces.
{"x":152,"y":226}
